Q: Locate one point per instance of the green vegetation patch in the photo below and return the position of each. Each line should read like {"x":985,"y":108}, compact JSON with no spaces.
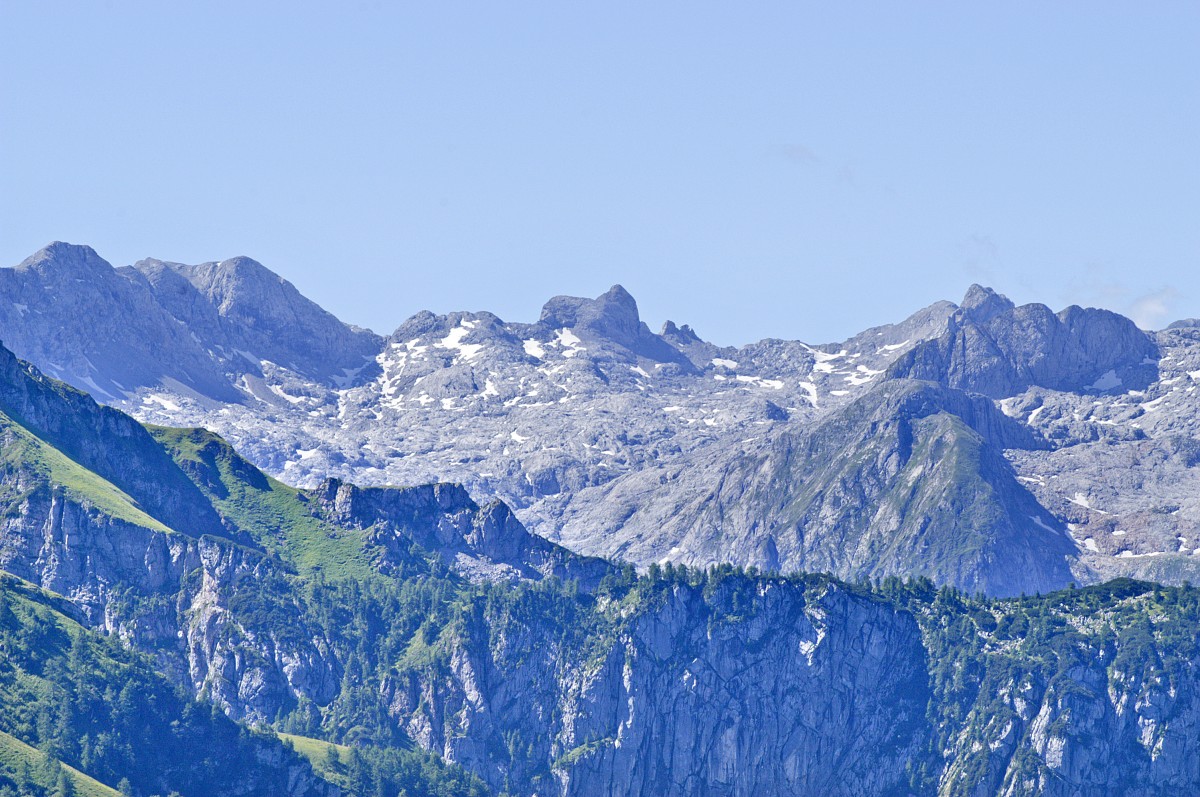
{"x":369,"y":771}
{"x":24,"y":449}
{"x":272,"y":513}
{"x":27,"y":768}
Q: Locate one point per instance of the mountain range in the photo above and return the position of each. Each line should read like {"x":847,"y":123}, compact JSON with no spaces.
{"x":986,"y":446}
{"x":173,"y":619}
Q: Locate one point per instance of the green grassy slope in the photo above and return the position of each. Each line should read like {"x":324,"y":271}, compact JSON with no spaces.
{"x":106,"y":442}
{"x":271,"y":512}
{"x":22,"y":449}
{"x":15,"y":755}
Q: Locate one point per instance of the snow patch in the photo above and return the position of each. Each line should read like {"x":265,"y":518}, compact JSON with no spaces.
{"x":349,"y":375}
{"x":1108,"y":381}
{"x":821,"y":356}
{"x":1042,"y":524}
{"x":454,"y":340}
{"x":278,"y":391}
{"x":1080,"y":499}
{"x":534,"y":349}
{"x":154,"y":398}
{"x":1151,"y":406}
{"x":811,"y":390}
{"x":568,"y":341}
{"x":720,"y":362}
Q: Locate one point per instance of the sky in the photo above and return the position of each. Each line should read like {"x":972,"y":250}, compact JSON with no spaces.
{"x":769,"y":169}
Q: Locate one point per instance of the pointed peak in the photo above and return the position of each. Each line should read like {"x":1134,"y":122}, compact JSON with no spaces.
{"x":978,"y":294}
{"x":679,"y":334}
{"x":619,"y":295}
{"x":616,"y":307}
{"x":984,"y":304}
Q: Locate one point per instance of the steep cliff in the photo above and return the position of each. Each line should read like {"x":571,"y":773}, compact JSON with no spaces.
{"x":1091,"y":691}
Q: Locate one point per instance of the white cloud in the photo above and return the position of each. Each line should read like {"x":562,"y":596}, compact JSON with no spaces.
{"x":1152,"y":310}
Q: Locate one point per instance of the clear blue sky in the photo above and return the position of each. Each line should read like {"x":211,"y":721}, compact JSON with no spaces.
{"x":757,"y":169}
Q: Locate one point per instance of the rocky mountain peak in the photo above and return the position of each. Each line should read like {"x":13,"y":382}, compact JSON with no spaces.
{"x":679,"y":334}
{"x":612,"y":315}
{"x":241,"y":305}
{"x":998,"y":349}
{"x":239,"y":283}
{"x":64,"y":259}
{"x":983,"y":304}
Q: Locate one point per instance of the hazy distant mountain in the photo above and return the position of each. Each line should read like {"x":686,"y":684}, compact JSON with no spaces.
{"x":208,"y":332}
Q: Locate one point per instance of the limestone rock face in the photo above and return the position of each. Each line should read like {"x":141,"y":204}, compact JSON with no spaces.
{"x":173,"y":596}
{"x":910,"y":479}
{"x":1092,"y":732}
{"x":992,"y":347}
{"x":244,"y":312}
{"x":817,"y":696}
{"x":79,"y":319}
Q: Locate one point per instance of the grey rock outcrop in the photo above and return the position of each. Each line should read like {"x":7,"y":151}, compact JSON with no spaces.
{"x":487,"y":543}
{"x":907,"y":480}
{"x":170,"y":595}
{"x":992,"y":347}
{"x":82,"y":321}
